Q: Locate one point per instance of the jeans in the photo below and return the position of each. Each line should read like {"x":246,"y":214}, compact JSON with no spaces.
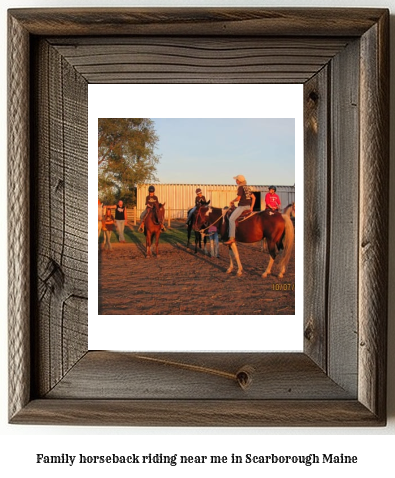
{"x":120,"y":223}
{"x":232,"y":220}
{"x":107,"y":237}
{"x":214,"y":243}
{"x":190,"y":213}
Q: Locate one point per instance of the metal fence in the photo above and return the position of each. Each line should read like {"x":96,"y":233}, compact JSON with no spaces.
{"x":133,"y":215}
{"x":181,"y":197}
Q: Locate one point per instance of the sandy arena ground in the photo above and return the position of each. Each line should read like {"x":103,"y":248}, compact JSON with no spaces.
{"x":179,"y":282}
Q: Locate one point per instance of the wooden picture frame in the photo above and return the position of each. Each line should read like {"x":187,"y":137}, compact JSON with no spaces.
{"x":342,"y":58}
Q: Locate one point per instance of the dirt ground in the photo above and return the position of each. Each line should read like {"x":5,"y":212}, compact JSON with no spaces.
{"x":179,"y":282}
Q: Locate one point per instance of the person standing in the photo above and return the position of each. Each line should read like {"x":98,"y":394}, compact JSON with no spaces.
{"x":108,"y":226}
{"x":246,"y":200}
{"x":214,"y":242}
{"x":121,"y":219}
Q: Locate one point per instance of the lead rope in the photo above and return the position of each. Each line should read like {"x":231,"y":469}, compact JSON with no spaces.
{"x":202,"y":230}
{"x":222,"y":216}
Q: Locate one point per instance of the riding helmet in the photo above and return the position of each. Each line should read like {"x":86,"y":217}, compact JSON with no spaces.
{"x":273,"y":187}
{"x":198,"y":191}
{"x":151,"y":189}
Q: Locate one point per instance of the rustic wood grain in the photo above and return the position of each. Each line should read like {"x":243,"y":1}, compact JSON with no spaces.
{"x":340,"y":377}
{"x":373,"y":232}
{"x":327,"y":22}
{"x":19,"y":231}
{"x":316,"y":214}
{"x":196,"y":376}
{"x":61,"y":199}
{"x":191,"y":59}
{"x":201,"y":413}
{"x":344,"y":216}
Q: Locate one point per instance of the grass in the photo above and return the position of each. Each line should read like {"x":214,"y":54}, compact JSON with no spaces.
{"x":176,"y":234}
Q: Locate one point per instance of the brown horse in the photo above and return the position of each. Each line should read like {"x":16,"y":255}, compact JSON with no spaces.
{"x":198,"y":236}
{"x":153,"y":227}
{"x":276,"y":228}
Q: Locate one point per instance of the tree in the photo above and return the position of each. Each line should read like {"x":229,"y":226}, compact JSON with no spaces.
{"x":126,"y":157}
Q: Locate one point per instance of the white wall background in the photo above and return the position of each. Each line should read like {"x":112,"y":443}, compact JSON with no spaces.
{"x":374,"y":447}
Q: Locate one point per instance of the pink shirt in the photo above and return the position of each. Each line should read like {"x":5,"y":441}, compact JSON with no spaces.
{"x":272,"y":201}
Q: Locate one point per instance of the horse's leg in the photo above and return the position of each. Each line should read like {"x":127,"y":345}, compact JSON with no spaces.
{"x":263,"y":245}
{"x":148,"y":243}
{"x":197,"y":241}
{"x":233,"y":250}
{"x":272,"y":252}
{"x":230,"y":268}
{"x":237,"y":257}
{"x":157,"y":234}
{"x":269,"y":268}
{"x":189,"y":232}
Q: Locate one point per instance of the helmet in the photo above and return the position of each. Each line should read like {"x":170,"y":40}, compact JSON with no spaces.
{"x":151,"y":189}
{"x":273,"y":187}
{"x":198,"y":191}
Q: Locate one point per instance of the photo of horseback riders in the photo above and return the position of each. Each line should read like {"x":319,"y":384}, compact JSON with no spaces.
{"x":244,"y":234}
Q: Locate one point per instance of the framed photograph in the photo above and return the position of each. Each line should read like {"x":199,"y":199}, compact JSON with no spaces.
{"x":341,"y":57}
{"x":201,"y":138}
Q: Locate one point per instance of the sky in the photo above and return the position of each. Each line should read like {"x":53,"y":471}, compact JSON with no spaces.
{"x":209,"y":133}
{"x":214,"y":150}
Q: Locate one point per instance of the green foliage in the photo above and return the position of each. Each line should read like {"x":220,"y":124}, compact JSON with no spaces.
{"x":126,"y":157}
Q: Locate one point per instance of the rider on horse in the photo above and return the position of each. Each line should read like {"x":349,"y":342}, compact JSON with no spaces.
{"x":246,"y":201}
{"x":151,"y":201}
{"x":272,"y":200}
{"x":199,"y":200}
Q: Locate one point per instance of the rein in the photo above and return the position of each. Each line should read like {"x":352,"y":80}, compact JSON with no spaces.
{"x":202,"y":230}
{"x":222,"y":216}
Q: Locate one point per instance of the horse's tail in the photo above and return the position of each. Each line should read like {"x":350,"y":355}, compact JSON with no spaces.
{"x":288,"y":241}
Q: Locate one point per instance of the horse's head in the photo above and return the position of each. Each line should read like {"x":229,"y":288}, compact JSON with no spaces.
{"x":290,"y":210}
{"x":160,"y":212}
{"x":201,"y":217}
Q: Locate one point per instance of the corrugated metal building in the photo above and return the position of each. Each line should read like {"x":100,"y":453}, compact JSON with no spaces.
{"x":181,"y":197}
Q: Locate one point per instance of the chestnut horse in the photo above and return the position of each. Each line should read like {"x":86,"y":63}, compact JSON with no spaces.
{"x":276,"y":228}
{"x":153,"y":227}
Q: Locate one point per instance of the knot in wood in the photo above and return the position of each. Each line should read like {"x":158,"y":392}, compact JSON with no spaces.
{"x":244,"y":376}
{"x":313,"y":96}
{"x":308,"y":332}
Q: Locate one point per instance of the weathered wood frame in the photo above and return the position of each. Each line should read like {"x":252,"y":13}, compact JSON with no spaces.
{"x":342,"y":57}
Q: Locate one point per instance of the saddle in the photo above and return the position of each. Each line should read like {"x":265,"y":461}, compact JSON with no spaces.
{"x":269,"y":212}
{"x":243,"y":216}
{"x":225,"y":224}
